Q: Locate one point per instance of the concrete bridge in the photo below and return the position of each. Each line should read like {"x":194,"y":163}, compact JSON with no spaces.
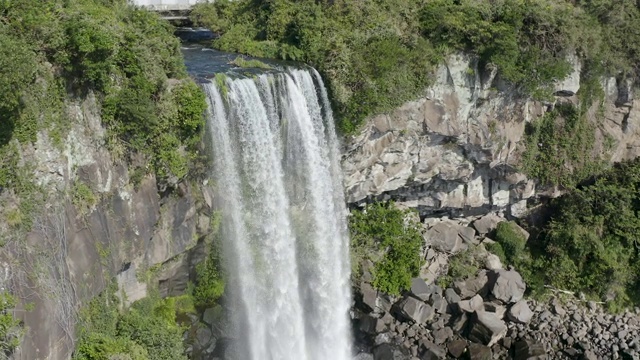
{"x":167,"y":5}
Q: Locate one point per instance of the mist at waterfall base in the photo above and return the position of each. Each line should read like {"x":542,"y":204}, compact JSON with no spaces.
{"x":276,"y":168}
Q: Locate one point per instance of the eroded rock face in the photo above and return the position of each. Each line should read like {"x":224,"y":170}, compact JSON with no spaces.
{"x":127,"y":231}
{"x":458,"y":149}
{"x":445,"y":151}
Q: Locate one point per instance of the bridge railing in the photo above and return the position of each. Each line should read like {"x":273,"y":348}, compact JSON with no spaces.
{"x":167,"y":5}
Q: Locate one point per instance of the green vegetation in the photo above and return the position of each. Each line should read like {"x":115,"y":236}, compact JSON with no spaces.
{"x":462,"y":266}
{"x":592,"y":241}
{"x":378,"y":54}
{"x":240,"y":61}
{"x":83,"y":197}
{"x":10,"y":328}
{"x":124,"y":56}
{"x":209,"y":285}
{"x":559,"y":147}
{"x":146,"y":331}
{"x":391,"y":239}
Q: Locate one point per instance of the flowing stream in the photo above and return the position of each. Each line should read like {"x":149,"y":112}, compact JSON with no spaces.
{"x":277,"y":172}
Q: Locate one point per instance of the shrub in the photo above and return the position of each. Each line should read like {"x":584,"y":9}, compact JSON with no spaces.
{"x":391,"y":238}
{"x":210,"y":285}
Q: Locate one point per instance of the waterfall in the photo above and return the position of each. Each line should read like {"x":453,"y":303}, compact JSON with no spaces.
{"x":277,"y":174}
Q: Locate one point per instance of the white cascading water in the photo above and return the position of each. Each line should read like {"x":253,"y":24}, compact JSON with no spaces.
{"x":277,"y":172}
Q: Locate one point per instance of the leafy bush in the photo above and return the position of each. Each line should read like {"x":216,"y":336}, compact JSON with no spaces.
{"x":592,"y":240}
{"x":391,"y":238}
{"x":462,"y":266}
{"x":559,"y":147}
{"x":210,"y":283}
{"x":146,"y":331}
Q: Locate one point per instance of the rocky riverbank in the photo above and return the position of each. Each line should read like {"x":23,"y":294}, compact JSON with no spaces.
{"x":485,"y":316}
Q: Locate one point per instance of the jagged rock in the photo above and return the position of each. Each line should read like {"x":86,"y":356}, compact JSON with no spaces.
{"x":369,"y":324}
{"x":203,"y":336}
{"x":439,"y":303}
{"x":451,"y":296}
{"x":588,"y":355}
{"x":445,"y":237}
{"x":416,"y":310}
{"x":211,"y":315}
{"x":570,"y":85}
{"x":529,"y":350}
{"x":479,"y":352}
{"x":472,"y":305}
{"x":422,"y":290}
{"x":486,"y":328}
{"x":459,"y":323}
{"x":468,"y":235}
{"x":383,"y":338}
{"x":497,"y":309}
{"x":369,"y":296}
{"x":440,"y":336}
{"x":492,"y":262}
{"x":470,"y":287}
{"x":457,"y":348}
{"x":508,"y":286}
{"x":487,"y":223}
{"x":520,"y":312}
{"x":364,"y":356}
{"x":388,"y":352}
{"x":431,"y":351}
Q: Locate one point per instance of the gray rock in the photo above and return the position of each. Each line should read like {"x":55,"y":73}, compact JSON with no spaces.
{"x":479,"y":352}
{"x":473,"y":286}
{"x":508,"y":286}
{"x":487,"y":223}
{"x":211,"y":316}
{"x":369,"y":296}
{"x":497,"y":309}
{"x":430,"y":351}
{"x":444,"y":237}
{"x":492,"y":262}
{"x":529,"y":350}
{"x":442,"y":335}
{"x":589,"y":355}
{"x":203,"y":337}
{"x":457,"y":348}
{"x":416,"y":310}
{"x":486,"y":328}
{"x":472,"y":305}
{"x":369,"y":324}
{"x":520,"y":312}
{"x":388,"y":352}
{"x":468,"y":235}
{"x":451,"y":296}
{"x":364,"y":356}
{"x":421,"y":289}
{"x":439,"y":303}
{"x":383,"y":338}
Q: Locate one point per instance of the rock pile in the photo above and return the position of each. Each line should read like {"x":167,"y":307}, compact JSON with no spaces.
{"x":486,"y":317}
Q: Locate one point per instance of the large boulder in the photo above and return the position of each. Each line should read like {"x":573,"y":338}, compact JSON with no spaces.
{"x":457,"y":348}
{"x":486,"y":328}
{"x":369,"y":296}
{"x":520,"y":312}
{"x":389,"y":352}
{"x":472,"y":305}
{"x":487,"y":223}
{"x":528,"y":350}
{"x":431,"y":351}
{"x":445,"y":237}
{"x":470,"y":287}
{"x":422,"y":290}
{"x":479,"y":352}
{"x":507,"y":286}
{"x":415,"y":310}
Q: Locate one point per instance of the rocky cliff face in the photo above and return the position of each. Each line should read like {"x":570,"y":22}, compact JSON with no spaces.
{"x":83,"y":239}
{"x":458,"y":149}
